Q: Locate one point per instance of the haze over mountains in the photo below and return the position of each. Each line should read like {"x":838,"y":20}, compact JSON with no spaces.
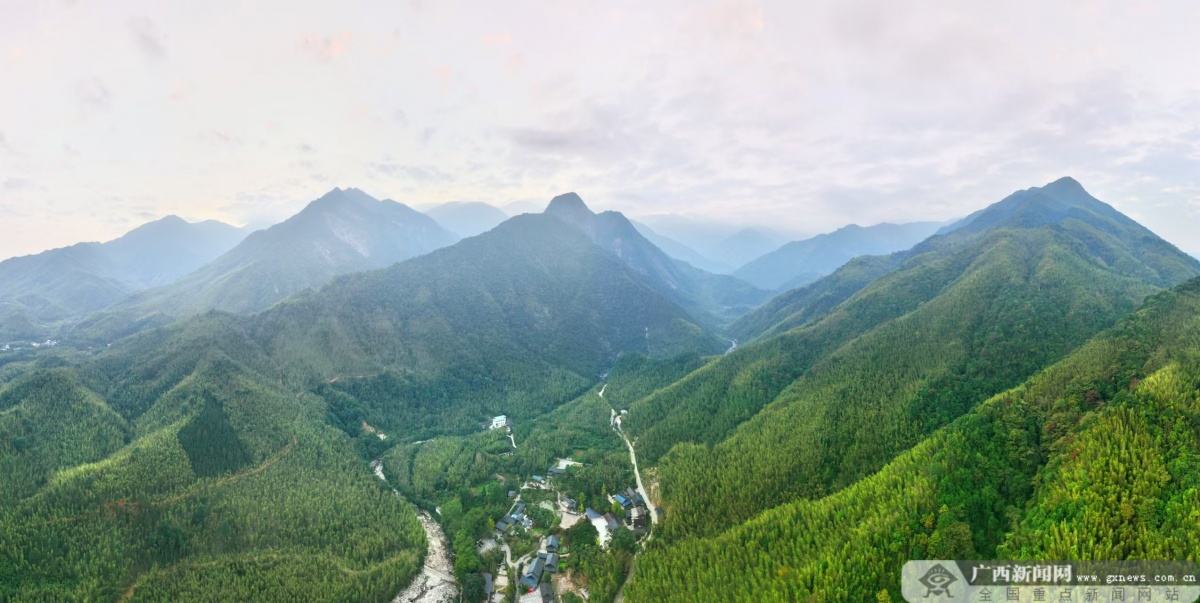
{"x":835,"y":395}
{"x":467,"y":218}
{"x":38,"y":292}
{"x":798,"y":263}
{"x":344,"y":231}
{"x":976,"y":381}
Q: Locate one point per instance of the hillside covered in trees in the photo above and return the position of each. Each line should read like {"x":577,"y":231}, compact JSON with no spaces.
{"x":1092,"y":458}
{"x":984,"y":394}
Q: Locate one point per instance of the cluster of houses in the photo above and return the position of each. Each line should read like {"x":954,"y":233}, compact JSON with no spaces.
{"x":546,"y":562}
{"x":49,"y":343}
{"x":635,"y":507}
{"x":516,"y":518}
{"x":637,"y":515}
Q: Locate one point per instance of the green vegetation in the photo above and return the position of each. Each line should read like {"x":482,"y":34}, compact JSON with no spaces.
{"x":342,"y":232}
{"x":965,"y":316}
{"x":39,"y":294}
{"x":192,"y":496}
{"x":899,"y":408}
{"x":1093,"y":458}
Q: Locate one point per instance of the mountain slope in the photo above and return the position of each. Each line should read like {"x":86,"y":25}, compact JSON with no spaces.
{"x":512,"y":322}
{"x":1093,"y":458}
{"x":467,"y":218}
{"x":801,"y":262}
{"x":713,"y":300}
{"x":1105,"y":236}
{"x":745,"y":245}
{"x":682,"y":252}
{"x":124,"y":481}
{"x":344,"y":231}
{"x":963,"y":317}
{"x":39,"y":291}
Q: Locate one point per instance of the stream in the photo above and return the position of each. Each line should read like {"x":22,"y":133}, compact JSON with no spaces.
{"x":435,"y":583}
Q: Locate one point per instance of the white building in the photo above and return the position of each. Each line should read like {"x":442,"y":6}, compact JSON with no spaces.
{"x":499,"y":422}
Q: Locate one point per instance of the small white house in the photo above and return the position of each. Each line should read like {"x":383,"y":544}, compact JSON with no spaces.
{"x":499,"y":422}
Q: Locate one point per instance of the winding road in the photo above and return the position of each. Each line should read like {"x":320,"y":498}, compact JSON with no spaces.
{"x":637,"y":474}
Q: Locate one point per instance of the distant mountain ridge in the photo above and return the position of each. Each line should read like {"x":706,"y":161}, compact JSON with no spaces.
{"x":467,"y":218}
{"x":712,"y":299}
{"x":798,"y":263}
{"x":38,"y":291}
{"x":682,"y":252}
{"x":841,"y":376}
{"x":345,"y":230}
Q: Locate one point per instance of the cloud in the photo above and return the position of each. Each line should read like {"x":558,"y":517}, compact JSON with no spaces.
{"x":417,"y":173}
{"x":327,"y":48}
{"x":148,"y":37}
{"x":18,"y":184}
{"x":92,"y":93}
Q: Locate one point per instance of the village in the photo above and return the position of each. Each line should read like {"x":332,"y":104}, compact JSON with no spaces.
{"x":542,"y":567}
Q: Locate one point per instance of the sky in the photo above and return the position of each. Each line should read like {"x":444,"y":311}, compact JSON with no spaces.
{"x":804,"y":116}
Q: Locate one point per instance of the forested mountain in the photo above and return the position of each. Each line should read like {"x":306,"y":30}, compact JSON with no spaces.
{"x":801,"y":262}
{"x":960,"y":317}
{"x":512,"y":321}
{"x":900,"y":407}
{"x":467,"y":218}
{"x":712,"y":299}
{"x":211,"y":456}
{"x":174,"y":467}
{"x":1093,"y":458}
{"x":40,"y":292}
{"x":342,"y":232}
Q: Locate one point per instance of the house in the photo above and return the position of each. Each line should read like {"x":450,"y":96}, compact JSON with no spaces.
{"x":512,"y":493}
{"x":638,"y":517}
{"x":520,"y":508}
{"x":552,"y":544}
{"x":624,"y":502}
{"x":611,"y":521}
{"x":552,"y":563}
{"x":553,"y":471}
{"x":633,"y":496}
{"x":568,"y":503}
{"x":533,"y":576}
{"x":592,"y":514}
{"x":488,"y":585}
{"x":499,"y":422}
{"x":541,"y":594}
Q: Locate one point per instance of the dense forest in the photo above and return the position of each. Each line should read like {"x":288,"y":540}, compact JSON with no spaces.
{"x":193,"y":493}
{"x":1094,"y":458}
{"x":968,"y":398}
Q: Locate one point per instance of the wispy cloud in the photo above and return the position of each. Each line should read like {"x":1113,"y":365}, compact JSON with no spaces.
{"x":92,"y":93}
{"x":148,"y":37}
{"x":327,"y":48}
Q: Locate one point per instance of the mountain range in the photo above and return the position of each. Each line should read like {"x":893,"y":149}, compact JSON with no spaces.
{"x":38,"y":292}
{"x":1019,"y":384}
{"x":343,"y":231}
{"x":869,"y":367}
{"x":799,"y":263}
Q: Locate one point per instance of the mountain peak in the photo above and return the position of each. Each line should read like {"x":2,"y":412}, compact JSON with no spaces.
{"x":568,"y":205}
